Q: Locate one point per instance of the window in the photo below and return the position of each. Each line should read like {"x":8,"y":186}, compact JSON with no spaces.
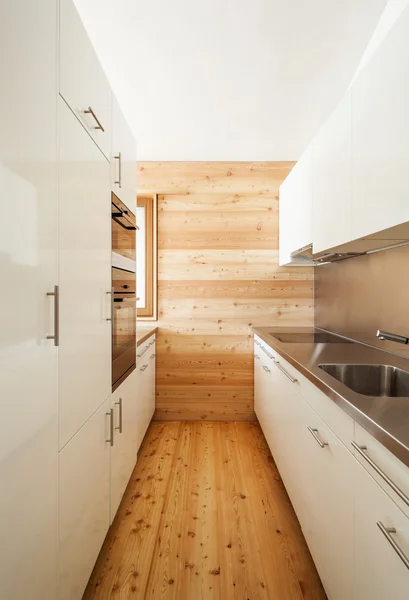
{"x":146,"y":257}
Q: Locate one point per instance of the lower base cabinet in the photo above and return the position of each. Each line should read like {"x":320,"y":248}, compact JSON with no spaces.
{"x":146,"y":368}
{"x":341,"y":508}
{"x":380,"y":572}
{"x":83,"y":502}
{"x":124,"y":403}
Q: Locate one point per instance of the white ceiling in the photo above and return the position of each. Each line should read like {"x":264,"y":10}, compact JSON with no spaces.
{"x":228,"y":79}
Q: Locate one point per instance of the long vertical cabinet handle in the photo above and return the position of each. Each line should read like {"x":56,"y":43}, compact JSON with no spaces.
{"x":110,"y":414}
{"x":111,"y":293}
{"x":387,"y":531}
{"x":120,"y":415}
{"x":118,"y":157}
{"x":99,"y":124}
{"x":56,"y":336}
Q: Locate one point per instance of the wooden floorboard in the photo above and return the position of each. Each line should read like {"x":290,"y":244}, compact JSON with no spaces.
{"x":205,"y":517}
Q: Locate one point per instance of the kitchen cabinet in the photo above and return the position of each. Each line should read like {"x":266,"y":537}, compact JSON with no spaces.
{"x":124,"y":403}
{"x":83,"y":501}
{"x":295,"y":210}
{"x":379,"y":571}
{"x":380,"y":136}
{"x":83,"y":83}
{"x":331,"y":172}
{"x":84,"y":274}
{"x":29,"y":271}
{"x":123,"y":159}
{"x":146,"y":369}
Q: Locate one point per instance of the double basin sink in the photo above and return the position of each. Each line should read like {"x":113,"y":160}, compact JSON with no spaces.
{"x":371,"y":380}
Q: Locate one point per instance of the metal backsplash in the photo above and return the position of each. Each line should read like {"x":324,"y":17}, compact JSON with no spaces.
{"x":358,"y":296}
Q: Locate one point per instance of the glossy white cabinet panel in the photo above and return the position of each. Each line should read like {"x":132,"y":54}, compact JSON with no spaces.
{"x":380,"y":136}
{"x":83,"y":502}
{"x":85,"y":275}
{"x":28,"y":270}
{"x":83,"y":83}
{"x":295,"y":214}
{"x":123,"y":452}
{"x":331,"y":152}
{"x":123,"y":159}
{"x":379,"y":571}
{"x":145,"y":369}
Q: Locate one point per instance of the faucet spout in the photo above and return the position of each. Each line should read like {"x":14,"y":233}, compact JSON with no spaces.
{"x":392,"y":337}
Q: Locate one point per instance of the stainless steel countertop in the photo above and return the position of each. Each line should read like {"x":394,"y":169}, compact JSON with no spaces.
{"x":387,"y":419}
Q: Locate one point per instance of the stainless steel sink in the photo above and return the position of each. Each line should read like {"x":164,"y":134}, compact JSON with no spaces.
{"x":371,"y":380}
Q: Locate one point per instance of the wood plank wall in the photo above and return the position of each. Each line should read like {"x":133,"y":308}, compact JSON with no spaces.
{"x":218,"y":276}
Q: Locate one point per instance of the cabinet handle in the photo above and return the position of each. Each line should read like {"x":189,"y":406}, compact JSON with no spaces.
{"x":56,"y":336}
{"x":384,"y":476}
{"x":118,"y":157}
{"x":257,"y":356}
{"x":120,"y":415}
{"x":153,"y":355}
{"x":286,"y":373}
{"x":143,"y":368}
{"x":267,"y":370}
{"x":110,"y":414}
{"x":257,"y":343}
{"x":111,"y":293}
{"x":91,"y":112}
{"x":314,"y":433}
{"x":268,"y":353}
{"x":387,"y":531}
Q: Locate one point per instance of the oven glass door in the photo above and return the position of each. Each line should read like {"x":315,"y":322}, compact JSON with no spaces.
{"x":123,"y":324}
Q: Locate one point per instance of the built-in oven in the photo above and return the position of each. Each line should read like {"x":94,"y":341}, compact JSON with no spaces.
{"x":123,"y":292}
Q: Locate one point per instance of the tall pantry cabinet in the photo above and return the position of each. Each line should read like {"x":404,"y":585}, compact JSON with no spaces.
{"x":59,"y":464}
{"x":29,"y":271}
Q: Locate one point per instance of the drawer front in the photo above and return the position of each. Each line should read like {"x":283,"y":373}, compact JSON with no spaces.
{"x":395,"y":473}
{"x":336,"y":419}
{"x":83,"y":83}
{"x":380,"y":573}
{"x":144,"y":347}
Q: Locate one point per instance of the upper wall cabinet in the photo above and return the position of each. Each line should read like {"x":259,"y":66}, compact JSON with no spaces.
{"x":123,"y":159}
{"x":380,"y":136}
{"x":331,"y":152}
{"x":83,"y":83}
{"x":296,"y":209}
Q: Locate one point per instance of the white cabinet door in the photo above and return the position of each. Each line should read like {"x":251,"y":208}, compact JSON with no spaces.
{"x":83,"y":502}
{"x":380,"y":136}
{"x":296,"y":208}
{"x":28,"y":271}
{"x":83,"y":83}
{"x":123,"y":452}
{"x":123,"y":160}
{"x":85,"y":275}
{"x":325,"y":480}
{"x":379,"y":571}
{"x":152,"y":384}
{"x":331,"y":159}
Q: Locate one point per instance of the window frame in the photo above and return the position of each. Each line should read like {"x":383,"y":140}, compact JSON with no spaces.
{"x":150,"y":203}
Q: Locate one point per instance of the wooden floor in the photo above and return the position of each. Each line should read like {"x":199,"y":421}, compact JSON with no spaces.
{"x":205,"y":516}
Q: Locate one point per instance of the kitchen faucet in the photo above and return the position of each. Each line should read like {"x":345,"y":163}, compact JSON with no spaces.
{"x":393,"y":337}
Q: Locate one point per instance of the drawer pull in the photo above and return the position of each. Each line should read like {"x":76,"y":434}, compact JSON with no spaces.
{"x":257,"y":343}
{"x":286,"y":373}
{"x":387,"y":532}
{"x":256,"y":356}
{"x":153,"y":355}
{"x":314,"y":433}
{"x":267,"y":370}
{"x":382,"y":474}
{"x":110,"y":414}
{"x":268,"y":353}
{"x":91,"y":112}
{"x":143,"y":368}
{"x":119,"y":428}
